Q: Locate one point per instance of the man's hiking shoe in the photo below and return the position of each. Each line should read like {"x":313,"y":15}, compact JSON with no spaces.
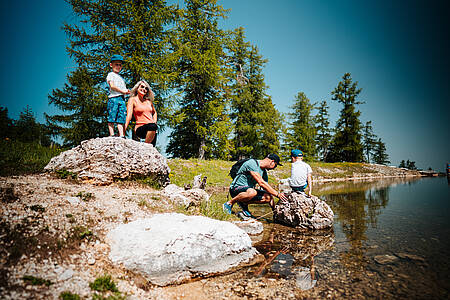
{"x":244,"y":207}
{"x":227,"y":208}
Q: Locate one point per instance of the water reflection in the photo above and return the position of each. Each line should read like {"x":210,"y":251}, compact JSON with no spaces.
{"x":290,"y":253}
{"x":389,"y":241}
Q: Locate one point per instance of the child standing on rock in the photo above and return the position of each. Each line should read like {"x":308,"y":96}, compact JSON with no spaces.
{"x":116,"y":106}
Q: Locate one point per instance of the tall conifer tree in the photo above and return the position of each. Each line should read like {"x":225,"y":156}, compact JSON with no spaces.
{"x":324,"y":134}
{"x":369,"y":140}
{"x":346,"y":144}
{"x":201,"y":125}
{"x":140,"y":31}
{"x":379,"y":155}
{"x":257,"y":122}
{"x":302,"y":132}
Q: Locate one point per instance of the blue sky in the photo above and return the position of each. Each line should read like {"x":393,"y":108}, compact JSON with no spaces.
{"x":396,"y":50}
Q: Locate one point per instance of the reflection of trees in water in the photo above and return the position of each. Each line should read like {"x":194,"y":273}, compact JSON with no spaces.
{"x":376,"y":200}
{"x":355,"y":211}
{"x":296,"y":246}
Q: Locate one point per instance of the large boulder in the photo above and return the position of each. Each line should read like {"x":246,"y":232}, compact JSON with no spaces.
{"x":303,"y":212}
{"x":171,"y":248}
{"x":103,"y":159}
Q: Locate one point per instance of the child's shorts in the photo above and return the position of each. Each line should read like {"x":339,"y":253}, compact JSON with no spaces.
{"x":117,"y":110}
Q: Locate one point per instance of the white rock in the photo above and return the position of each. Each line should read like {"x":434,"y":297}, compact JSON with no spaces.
{"x":73,"y":200}
{"x":171,"y":248}
{"x":251,"y":226}
{"x":103,"y":159}
{"x":67,"y":274}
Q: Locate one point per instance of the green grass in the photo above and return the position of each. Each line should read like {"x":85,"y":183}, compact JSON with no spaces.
{"x":17,"y":158}
{"x":183,"y":171}
{"x":36,"y":280}
{"x":103,"y":283}
{"x":68,"y":296}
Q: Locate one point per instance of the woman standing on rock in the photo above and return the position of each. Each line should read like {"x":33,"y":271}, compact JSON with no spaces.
{"x":140,"y":104}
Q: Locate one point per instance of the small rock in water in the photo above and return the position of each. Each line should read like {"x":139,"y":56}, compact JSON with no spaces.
{"x":385,"y":259}
{"x":411,"y":257}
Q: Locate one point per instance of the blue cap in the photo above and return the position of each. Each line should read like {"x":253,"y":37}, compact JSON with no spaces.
{"x":116,"y":57}
{"x":296,"y":153}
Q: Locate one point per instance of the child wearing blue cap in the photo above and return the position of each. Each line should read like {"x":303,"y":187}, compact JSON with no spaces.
{"x":116,"y":107}
{"x":300,"y":173}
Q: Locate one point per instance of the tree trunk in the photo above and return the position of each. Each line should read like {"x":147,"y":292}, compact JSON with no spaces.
{"x":201,"y":150}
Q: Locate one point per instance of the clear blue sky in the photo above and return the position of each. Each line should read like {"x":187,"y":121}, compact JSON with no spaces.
{"x":398,"y":52}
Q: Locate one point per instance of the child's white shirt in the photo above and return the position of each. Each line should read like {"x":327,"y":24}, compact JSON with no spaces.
{"x":118,"y":82}
{"x":299,"y":173}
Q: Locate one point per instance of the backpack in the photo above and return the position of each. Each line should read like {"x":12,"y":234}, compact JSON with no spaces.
{"x":237,"y":165}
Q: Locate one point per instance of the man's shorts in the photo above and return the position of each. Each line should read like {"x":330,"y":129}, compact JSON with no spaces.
{"x":299,"y":188}
{"x":117,"y":110}
{"x":240,"y":189}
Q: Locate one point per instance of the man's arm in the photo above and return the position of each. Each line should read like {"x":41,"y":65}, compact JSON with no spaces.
{"x":266,"y":186}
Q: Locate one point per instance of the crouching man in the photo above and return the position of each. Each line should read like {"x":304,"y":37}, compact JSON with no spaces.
{"x":243,"y":191}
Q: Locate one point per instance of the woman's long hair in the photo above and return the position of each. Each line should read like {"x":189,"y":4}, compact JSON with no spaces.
{"x":149,"y":95}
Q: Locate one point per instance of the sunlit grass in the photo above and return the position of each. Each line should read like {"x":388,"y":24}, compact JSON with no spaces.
{"x":24,"y":158}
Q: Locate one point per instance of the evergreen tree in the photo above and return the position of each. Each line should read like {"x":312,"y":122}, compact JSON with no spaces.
{"x":379,"y":155}
{"x":140,"y":31}
{"x":27,"y":130}
{"x":323,"y":131}
{"x":257,"y":122}
{"x":201,"y":125}
{"x":302,"y":132}
{"x":369,"y":140}
{"x":402,"y":164}
{"x":346,"y":144}
{"x":411,"y":165}
{"x":6,"y":124}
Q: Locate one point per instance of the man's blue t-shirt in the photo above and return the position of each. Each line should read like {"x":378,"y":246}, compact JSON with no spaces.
{"x":243,"y":177}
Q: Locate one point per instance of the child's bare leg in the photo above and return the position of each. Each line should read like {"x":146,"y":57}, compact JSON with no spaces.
{"x":111,"y":129}
{"x":120,"y":129}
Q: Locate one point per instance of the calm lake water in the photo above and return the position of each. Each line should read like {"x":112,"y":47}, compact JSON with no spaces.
{"x":390,"y":241}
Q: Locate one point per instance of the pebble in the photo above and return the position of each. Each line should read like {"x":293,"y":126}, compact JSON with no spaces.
{"x":67,"y":274}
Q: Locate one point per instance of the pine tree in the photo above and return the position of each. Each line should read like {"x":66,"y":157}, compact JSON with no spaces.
{"x":257,"y":122}
{"x":302,"y":131}
{"x":201,"y":125}
{"x":379,"y":155}
{"x":6,"y":124}
{"x":369,"y":140}
{"x":411,"y":165}
{"x":346,"y":144}
{"x":141,"y":32}
{"x":402,"y":164}
{"x":323,"y":131}
{"x":26,"y":129}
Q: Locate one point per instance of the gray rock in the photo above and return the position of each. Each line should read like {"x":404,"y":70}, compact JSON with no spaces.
{"x":67,"y":274}
{"x":103,"y":159}
{"x":303,"y":212}
{"x":187,"y":198}
{"x":172,"y":248}
{"x":411,"y":257}
{"x":385,"y":259}
{"x":250,"y":226}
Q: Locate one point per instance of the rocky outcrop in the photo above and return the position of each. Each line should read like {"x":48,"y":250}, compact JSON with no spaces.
{"x":303,"y":212}
{"x":103,"y":159}
{"x":171,"y":248}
